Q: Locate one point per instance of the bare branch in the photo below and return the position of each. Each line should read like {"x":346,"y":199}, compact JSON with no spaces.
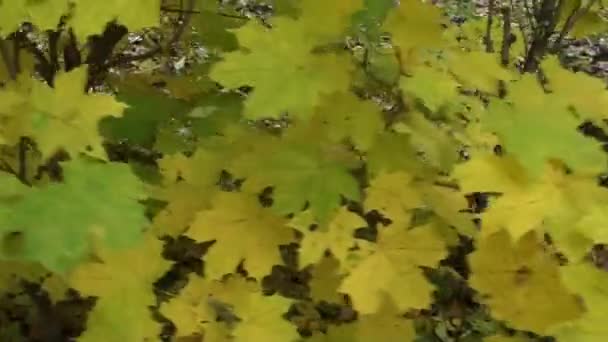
{"x":488,"y":38}
{"x":507,"y":37}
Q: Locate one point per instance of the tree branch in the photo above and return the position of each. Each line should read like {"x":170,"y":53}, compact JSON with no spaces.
{"x":507,"y":37}
{"x":488,"y":38}
{"x":546,"y":18}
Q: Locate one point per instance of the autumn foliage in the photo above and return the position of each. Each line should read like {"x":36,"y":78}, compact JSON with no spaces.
{"x":375,"y":153}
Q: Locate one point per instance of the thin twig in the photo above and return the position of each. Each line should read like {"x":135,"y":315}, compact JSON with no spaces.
{"x":178,"y":10}
{"x":506,"y":35}
{"x":235,"y":16}
{"x":23,"y":145}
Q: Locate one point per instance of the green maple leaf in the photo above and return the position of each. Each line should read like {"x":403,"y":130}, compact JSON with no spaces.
{"x":348,"y":118}
{"x":54,"y":225}
{"x":537,"y":128}
{"x":301,"y":173}
{"x":280,"y":65}
{"x":147,"y":110}
{"x":435,"y":88}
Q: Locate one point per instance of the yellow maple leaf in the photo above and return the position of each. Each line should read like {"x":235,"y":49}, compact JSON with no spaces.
{"x":123,"y":282}
{"x":387,"y":324}
{"x":573,"y":89}
{"x":260,"y":317}
{"x":393,"y":269}
{"x":326,"y":279}
{"x":184,"y":202}
{"x":505,"y":338}
{"x":193,"y":313}
{"x":490,"y":173}
{"x":243,"y":230}
{"x":337,"y":237}
{"x":589,"y":283}
{"x":60,"y":117}
{"x":394,"y":195}
{"x":521,"y":283}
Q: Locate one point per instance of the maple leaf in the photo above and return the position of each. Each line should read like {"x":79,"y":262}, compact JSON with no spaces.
{"x":589,"y":283}
{"x":505,"y":338}
{"x":450,"y":205}
{"x":326,"y":279}
{"x":214,"y":29}
{"x":147,"y":109}
{"x":186,"y":178}
{"x":243,"y":230}
{"x":14,"y":272}
{"x":385,"y":325}
{"x":193,"y":312}
{"x":478,"y":70}
{"x":91,"y":18}
{"x":336,"y":237}
{"x":518,"y":279}
{"x":435,"y":88}
{"x":572,"y":89}
{"x":347,"y":118}
{"x":430,"y":138}
{"x":281,"y":58}
{"x":566,"y":205}
{"x":541,"y":129}
{"x":301,"y":173}
{"x":490,"y":173}
{"x":184,"y":201}
{"x":35,"y":109}
{"x":325,"y":21}
{"x":260,"y":317}
{"x":97,"y":201}
{"x":394,"y":195}
{"x":44,"y":14}
{"x":393,"y":269}
{"x":124,"y":291}
{"x":414,"y":25}
{"x":394,"y":152}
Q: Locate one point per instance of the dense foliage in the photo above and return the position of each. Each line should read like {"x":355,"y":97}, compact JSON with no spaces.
{"x":314,"y":170}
